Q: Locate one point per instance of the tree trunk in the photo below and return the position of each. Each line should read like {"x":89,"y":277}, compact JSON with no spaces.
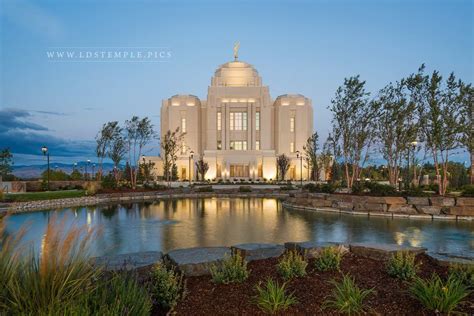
{"x":348,"y":179}
{"x":472,"y":167}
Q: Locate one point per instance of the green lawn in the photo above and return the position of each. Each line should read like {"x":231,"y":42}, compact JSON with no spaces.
{"x":48,"y":195}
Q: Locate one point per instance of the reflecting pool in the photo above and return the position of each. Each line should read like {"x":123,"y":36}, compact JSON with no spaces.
{"x":172,"y":224}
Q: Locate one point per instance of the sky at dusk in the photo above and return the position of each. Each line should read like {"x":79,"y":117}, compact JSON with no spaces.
{"x":305,"y":47}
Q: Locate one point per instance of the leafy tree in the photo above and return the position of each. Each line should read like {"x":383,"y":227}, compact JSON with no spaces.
{"x":467,"y":122}
{"x":283,"y":164}
{"x":54,"y":175}
{"x":354,"y":125}
{"x":6,"y":162}
{"x":397,"y":124}
{"x":312,"y":156}
{"x":439,"y":113}
{"x":116,"y":153}
{"x":146,"y":170}
{"x":104,"y":139}
{"x":202,"y":167}
{"x":75,"y":175}
{"x":170,"y":145}
{"x":138,"y":133}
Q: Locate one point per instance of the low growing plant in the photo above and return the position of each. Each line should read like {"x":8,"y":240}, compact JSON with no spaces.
{"x":167,"y":286}
{"x":402,"y":265}
{"x":329,"y":258}
{"x":347,"y":297}
{"x":233,"y":269}
{"x":468,"y":190}
{"x":272,"y":297}
{"x":464,"y":273}
{"x":439,"y":296}
{"x":292,"y":265}
{"x":120,"y":295}
{"x":206,"y":188}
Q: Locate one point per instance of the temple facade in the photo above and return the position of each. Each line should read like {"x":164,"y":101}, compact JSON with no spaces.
{"x":239,"y":130}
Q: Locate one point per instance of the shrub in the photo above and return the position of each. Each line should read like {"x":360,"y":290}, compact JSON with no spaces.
{"x":287,"y":187}
{"x":381,"y":189}
{"x":464,"y":273}
{"x":120,"y":295}
{"x":346,"y":297}
{"x":233,"y":269}
{"x":439,"y":296}
{"x":207,"y":188}
{"x":329,"y":258}
{"x":272,"y":297}
{"x":167,"y":286}
{"x":92,"y":187}
{"x":320,"y":188}
{"x":2,"y":195}
{"x":416,"y":191}
{"x":358,"y":188}
{"x":402,"y":265}
{"x":108,"y":182}
{"x":468,"y":190}
{"x":245,"y":189}
{"x":292,"y":265}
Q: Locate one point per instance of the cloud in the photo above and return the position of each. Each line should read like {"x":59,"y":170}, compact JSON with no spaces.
{"x":22,"y":136}
{"x":13,"y":119}
{"x":52,"y":113}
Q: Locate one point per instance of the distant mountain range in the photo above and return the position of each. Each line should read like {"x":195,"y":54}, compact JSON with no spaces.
{"x":34,"y":171}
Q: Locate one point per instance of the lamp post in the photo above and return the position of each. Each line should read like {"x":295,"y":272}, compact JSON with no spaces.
{"x":298,"y":155}
{"x":44,"y":149}
{"x":191,"y":154}
{"x":86,"y":173}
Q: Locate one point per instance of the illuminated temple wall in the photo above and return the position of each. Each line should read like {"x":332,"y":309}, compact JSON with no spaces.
{"x":239,"y":130}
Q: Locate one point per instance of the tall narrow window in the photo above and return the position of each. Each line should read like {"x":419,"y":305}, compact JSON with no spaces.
{"x":257,"y":121}
{"x":238,"y":121}
{"x":292,"y":124}
{"x":244,"y":145}
{"x":183,"y":148}
{"x":292,"y":147}
{"x":219,"y":121}
{"x":257,"y":145}
{"x":244,"y":121}
{"x":183,"y":125}
{"x":219,"y":145}
{"x":231,"y":121}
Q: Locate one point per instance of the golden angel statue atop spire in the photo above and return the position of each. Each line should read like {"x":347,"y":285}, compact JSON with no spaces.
{"x":236,"y":50}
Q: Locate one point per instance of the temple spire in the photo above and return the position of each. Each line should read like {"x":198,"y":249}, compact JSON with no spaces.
{"x":236,"y":50}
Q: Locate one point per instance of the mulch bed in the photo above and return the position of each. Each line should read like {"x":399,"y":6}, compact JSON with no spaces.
{"x":391,"y":298}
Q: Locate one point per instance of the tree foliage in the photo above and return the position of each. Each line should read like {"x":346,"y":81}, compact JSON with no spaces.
{"x":6,"y":162}
{"x":170,"y":145}
{"x":353,"y":125}
{"x":283,"y":164}
{"x":104,"y":139}
{"x":202,"y":167}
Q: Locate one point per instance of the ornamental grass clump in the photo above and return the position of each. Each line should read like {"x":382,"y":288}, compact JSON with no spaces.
{"x":292,"y":265}
{"x":61,"y":280}
{"x":347,"y":297}
{"x":56,"y":279}
{"x":464,"y":273}
{"x":233,"y":269}
{"x":272,"y":297}
{"x":119,"y":295}
{"x":439,"y":296}
{"x":329,"y":258}
{"x":402,"y":265}
{"x":167,"y":285}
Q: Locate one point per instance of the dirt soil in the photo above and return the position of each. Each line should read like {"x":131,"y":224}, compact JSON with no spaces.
{"x":391,"y":298}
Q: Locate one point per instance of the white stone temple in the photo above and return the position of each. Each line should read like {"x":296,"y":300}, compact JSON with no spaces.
{"x":239,"y":130}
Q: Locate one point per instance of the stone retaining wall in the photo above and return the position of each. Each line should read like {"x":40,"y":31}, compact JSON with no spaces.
{"x":415,"y":207}
{"x":197,"y":261}
{"x":129,"y":197}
